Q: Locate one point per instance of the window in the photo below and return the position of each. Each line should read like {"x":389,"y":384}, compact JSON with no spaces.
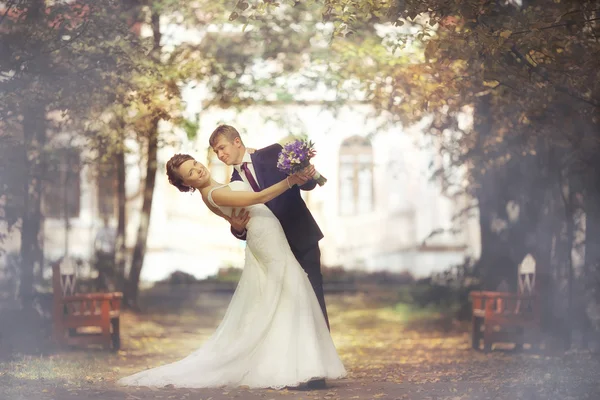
{"x":62,"y":184}
{"x":356,"y":176}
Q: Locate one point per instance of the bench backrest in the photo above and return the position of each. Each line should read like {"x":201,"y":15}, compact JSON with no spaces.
{"x":64,"y":277}
{"x":526,"y":278}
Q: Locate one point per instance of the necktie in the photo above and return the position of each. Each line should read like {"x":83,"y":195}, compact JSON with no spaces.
{"x":250,"y":178}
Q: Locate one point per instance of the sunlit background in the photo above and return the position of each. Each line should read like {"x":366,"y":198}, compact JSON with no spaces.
{"x":381,"y":210}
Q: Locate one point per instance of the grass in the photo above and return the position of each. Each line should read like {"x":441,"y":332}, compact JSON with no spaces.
{"x":58,"y":368}
{"x":410,"y":313}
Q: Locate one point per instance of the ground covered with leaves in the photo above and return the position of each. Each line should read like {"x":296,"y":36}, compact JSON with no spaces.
{"x":391,"y":351}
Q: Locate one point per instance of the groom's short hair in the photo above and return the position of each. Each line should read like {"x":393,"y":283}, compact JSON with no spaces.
{"x":228,"y":131}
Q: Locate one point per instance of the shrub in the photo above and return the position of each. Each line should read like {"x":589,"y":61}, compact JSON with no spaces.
{"x":447,"y":290}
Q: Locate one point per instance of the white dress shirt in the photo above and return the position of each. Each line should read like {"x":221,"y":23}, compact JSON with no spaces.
{"x":238,"y":168}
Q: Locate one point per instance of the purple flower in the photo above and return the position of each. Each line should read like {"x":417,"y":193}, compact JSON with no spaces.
{"x":295,"y":156}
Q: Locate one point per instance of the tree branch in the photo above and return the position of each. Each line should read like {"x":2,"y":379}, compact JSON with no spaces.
{"x":545,"y":76}
{"x":68,"y":42}
{"x":10,"y":4}
{"x":554,"y":26}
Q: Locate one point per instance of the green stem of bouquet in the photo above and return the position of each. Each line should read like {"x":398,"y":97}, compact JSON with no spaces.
{"x":320,"y":179}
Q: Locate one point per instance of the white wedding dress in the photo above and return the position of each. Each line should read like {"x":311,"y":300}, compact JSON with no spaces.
{"x":273,"y":333}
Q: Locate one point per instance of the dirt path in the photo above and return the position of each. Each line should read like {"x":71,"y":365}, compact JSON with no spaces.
{"x":389,"y":353}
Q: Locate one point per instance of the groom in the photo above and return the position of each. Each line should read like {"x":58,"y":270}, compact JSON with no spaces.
{"x":259,"y":170}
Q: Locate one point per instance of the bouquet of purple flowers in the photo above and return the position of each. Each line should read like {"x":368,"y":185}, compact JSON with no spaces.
{"x":295,"y":156}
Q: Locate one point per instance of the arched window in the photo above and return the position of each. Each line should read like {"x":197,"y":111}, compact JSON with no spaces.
{"x":219,"y":171}
{"x":356,"y":176}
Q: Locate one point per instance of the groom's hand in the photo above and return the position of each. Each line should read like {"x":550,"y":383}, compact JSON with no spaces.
{"x":299,"y":178}
{"x":239,"y":221}
{"x":309,"y":171}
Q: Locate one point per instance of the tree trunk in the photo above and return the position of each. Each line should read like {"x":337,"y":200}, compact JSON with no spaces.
{"x":547,"y":235}
{"x":121,"y":240}
{"x":493,"y":259}
{"x":34,"y":130}
{"x":592,"y":248}
{"x":34,"y":136}
{"x":139,"y":251}
{"x":567,"y":198}
{"x":592,"y":234}
{"x":496,"y":263}
{"x":132,"y":10}
{"x":132,"y":287}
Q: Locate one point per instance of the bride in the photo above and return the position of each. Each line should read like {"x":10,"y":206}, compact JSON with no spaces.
{"x":273,"y":334}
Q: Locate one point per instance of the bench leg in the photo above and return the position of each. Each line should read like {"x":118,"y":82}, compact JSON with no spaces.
{"x":487,"y":346}
{"x":58,"y":333}
{"x":487,"y":337}
{"x":518,"y":347}
{"x":476,"y":332}
{"x":106,"y":339}
{"x":116,"y":334}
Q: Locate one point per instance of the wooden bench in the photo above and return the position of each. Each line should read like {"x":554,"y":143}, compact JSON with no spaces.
{"x":86,"y":318}
{"x":508,"y":317}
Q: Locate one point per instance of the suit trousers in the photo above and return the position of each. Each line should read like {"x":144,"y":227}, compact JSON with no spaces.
{"x":310,"y":261}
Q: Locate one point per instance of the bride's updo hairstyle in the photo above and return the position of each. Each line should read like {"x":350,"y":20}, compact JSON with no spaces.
{"x":174,"y":178}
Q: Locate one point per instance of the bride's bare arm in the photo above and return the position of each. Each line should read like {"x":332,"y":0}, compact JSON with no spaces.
{"x":215,"y":210}
{"x":228,"y":198}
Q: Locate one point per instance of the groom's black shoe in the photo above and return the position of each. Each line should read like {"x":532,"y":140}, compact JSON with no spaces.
{"x":316,"y":384}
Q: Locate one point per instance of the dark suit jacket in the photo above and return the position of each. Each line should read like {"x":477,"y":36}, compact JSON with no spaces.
{"x":299,"y":226}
